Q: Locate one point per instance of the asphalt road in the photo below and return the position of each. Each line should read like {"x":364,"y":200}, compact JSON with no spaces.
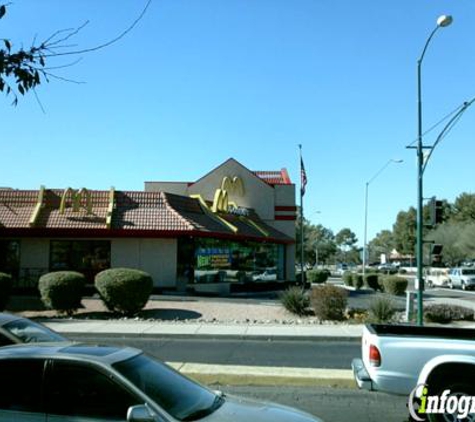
{"x":331,"y":404}
{"x":304,"y":354}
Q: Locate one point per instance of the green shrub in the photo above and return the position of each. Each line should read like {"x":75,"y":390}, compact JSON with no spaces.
{"x":124,"y":290}
{"x":295,"y":300}
{"x":443,"y":314}
{"x":317,"y":276}
{"x":348,"y":278}
{"x":6,"y":283}
{"x":357,"y":280}
{"x":381,"y":309}
{"x":329,"y":302}
{"x":372,"y":281}
{"x":371,"y":270}
{"x":298,"y":276}
{"x":62,"y":290}
{"x":359,"y":315}
{"x":394,"y":285}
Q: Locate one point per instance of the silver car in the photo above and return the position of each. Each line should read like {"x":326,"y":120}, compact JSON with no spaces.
{"x":462,"y":277}
{"x":16,"y":329}
{"x":78,"y":382}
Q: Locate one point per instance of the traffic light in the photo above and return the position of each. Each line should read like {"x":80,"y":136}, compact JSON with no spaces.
{"x":436,"y":211}
{"x":436,"y":249}
{"x":436,"y":255}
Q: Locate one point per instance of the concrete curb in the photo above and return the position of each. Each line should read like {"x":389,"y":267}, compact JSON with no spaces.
{"x":207,"y":331}
{"x":266,"y":376}
{"x":179,"y":336}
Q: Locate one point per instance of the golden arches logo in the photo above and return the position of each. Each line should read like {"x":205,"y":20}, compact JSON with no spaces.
{"x":76,"y":199}
{"x":233,"y":185}
{"x":221,"y":196}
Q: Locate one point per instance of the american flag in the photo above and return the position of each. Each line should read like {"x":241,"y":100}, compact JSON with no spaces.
{"x":303,"y":177}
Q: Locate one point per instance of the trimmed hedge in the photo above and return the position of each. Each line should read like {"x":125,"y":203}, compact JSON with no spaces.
{"x":352,"y":279}
{"x":317,"y":276}
{"x":443,"y":314}
{"x":62,"y":290}
{"x":329,"y":302}
{"x":372,"y":281}
{"x":295,"y":300}
{"x":124,"y":290}
{"x":357,"y":280}
{"x":6,"y":283}
{"x":348,"y":278}
{"x":394,"y":285}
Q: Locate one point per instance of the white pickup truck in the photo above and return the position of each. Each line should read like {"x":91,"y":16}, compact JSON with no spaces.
{"x":397,"y":358}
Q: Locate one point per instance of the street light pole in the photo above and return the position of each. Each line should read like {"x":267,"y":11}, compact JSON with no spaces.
{"x":316,"y":245}
{"x":442,"y":21}
{"x":365,"y":240}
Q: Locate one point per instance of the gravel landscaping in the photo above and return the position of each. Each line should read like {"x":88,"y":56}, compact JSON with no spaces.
{"x":177,"y":309}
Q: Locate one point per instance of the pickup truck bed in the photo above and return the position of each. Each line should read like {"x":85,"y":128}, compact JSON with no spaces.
{"x":415,"y":330}
{"x":393,"y":356}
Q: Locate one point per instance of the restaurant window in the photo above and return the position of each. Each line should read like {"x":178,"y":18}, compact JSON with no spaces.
{"x":224,"y":261}
{"x":10,"y":257}
{"x":88,"y":257}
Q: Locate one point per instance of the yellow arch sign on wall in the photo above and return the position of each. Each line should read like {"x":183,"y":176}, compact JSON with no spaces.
{"x":233,"y":185}
{"x":229,"y":185}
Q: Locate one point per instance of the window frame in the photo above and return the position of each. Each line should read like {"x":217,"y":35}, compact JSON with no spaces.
{"x":23,"y":361}
{"x":98,"y":369}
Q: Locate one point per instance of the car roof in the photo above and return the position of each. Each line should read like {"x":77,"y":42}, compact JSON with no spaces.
{"x":71,"y":351}
{"x":6,"y":317}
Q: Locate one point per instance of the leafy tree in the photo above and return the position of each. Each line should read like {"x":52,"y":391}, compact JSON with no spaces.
{"x":23,"y":69}
{"x":404,"y":232}
{"x":315,"y":238}
{"x":450,"y":236}
{"x":298,"y":238}
{"x":467,"y":241}
{"x":322,"y":241}
{"x":346,"y":241}
{"x":464,"y":208}
{"x":345,"y":238}
{"x":383,"y":243}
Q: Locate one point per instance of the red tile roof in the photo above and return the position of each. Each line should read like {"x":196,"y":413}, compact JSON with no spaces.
{"x":141,"y":213}
{"x":274,"y":177}
{"x":16,"y":207}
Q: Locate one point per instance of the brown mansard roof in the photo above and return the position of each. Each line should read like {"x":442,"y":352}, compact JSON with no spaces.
{"x":135,"y":213}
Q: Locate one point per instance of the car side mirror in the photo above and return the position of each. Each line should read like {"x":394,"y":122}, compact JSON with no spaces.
{"x":140,"y":413}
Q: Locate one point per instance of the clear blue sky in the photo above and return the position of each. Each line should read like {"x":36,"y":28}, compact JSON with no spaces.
{"x":199,"y":81}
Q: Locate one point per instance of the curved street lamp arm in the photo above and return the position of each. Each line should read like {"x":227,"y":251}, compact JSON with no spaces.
{"x":427,"y":44}
{"x":450,"y":124}
{"x":381,"y":170}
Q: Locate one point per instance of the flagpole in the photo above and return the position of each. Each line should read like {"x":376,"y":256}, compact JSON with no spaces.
{"x":302,"y":273}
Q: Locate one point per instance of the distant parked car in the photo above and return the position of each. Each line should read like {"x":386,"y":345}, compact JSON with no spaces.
{"x":341,"y":269}
{"x":15,"y":329}
{"x":388,"y":268}
{"x":462,"y":277}
{"x":437,"y":277}
{"x":77,"y":382}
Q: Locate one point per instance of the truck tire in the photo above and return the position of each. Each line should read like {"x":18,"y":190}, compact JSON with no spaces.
{"x":459,"y":388}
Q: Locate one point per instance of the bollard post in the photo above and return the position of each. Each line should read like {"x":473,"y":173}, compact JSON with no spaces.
{"x":409,"y":305}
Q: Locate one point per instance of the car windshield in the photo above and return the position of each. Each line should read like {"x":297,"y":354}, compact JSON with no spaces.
{"x":468,"y":272}
{"x":30,"y":332}
{"x":182,"y":398}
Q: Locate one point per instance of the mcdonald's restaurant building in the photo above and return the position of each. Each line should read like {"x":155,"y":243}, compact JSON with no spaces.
{"x":232,"y":227}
